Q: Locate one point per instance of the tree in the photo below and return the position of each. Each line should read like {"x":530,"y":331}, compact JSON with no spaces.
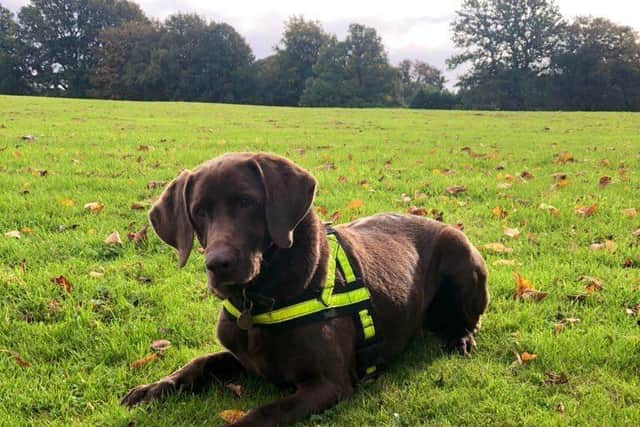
{"x":418,"y":75}
{"x":598,"y":67}
{"x":11,"y":73}
{"x":207,"y":61}
{"x":432,"y":98}
{"x":61,"y":36}
{"x":354,"y":72}
{"x":129,"y":63}
{"x":508,"y":41}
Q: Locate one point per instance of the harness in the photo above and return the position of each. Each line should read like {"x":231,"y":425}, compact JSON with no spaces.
{"x":353,"y":299}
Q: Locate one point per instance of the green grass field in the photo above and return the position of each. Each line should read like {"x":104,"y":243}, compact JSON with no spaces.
{"x":66,"y":354}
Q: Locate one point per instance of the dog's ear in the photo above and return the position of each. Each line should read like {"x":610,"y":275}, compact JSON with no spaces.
{"x":289,"y":191}
{"x":170,"y":219}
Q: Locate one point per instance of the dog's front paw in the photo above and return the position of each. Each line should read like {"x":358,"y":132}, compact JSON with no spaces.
{"x":147,"y":392}
{"x":463,"y":345}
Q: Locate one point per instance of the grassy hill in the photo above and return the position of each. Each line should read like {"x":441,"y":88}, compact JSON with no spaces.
{"x":66,"y":347}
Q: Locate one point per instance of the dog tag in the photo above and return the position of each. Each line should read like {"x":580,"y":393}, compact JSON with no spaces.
{"x":245,"y":320}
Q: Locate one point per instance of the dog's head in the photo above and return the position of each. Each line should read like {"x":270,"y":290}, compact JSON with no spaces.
{"x":237,"y":205}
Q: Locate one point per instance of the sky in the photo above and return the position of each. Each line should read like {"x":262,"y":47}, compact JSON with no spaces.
{"x":409,"y":29}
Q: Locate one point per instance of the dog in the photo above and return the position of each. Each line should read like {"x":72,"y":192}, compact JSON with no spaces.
{"x":264,"y":245}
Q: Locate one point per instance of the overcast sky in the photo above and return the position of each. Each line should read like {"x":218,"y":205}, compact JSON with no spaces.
{"x":409,"y":29}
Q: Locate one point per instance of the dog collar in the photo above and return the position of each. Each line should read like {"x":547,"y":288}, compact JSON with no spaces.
{"x":351,"y":299}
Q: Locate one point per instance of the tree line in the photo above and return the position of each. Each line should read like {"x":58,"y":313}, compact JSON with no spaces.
{"x":519,"y":54}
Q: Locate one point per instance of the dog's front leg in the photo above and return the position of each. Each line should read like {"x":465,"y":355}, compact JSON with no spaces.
{"x":194,"y":376}
{"x":310,"y":397}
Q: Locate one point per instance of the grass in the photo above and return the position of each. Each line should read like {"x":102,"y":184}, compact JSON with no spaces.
{"x":80,"y":344}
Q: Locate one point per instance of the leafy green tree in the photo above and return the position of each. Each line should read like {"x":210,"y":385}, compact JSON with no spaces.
{"x":418,"y":75}
{"x":505,"y":41}
{"x":354,"y":72}
{"x":129,"y":63}
{"x":11,"y":73}
{"x":61,"y":36}
{"x":598,"y":67}
{"x":432,"y":98}
{"x":207,"y":61}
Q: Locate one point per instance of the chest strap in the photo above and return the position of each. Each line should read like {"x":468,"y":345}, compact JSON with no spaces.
{"x":353,"y":299}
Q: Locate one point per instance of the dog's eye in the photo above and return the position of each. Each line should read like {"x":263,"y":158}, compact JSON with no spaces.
{"x":200,"y":212}
{"x":245,"y":202}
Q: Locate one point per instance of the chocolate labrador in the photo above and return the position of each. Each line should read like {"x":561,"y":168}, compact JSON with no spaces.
{"x":252,"y":215}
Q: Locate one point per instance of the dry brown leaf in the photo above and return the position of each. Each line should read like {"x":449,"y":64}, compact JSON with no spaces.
{"x":139,"y":205}
{"x":113,"y":239}
{"x":235,"y":389}
{"x":560,"y":407}
{"x":636,"y":233}
{"x":156,"y":184}
{"x":628,"y":263}
{"x":553,"y":378}
{"x":143,"y":148}
{"x":552,"y":210}
{"x":16,"y":357}
{"x":139,"y":237}
{"x":335,"y":216}
{"x":355,"y":204}
{"x":528,"y":357}
{"x":591,"y":284}
{"x":514,"y":233}
{"x":608,"y":245}
{"x":94,"y":207}
{"x":231,"y":416}
{"x":629,"y":213}
{"x":63,"y":283}
{"x":586,"y":211}
{"x":456,"y":189}
{"x":404,"y":198}
{"x":561,"y":184}
{"x":26,"y":230}
{"x":145,"y":360}
{"x":159,"y":346}
{"x":364,"y":183}
{"x":342,"y":179}
{"x":499,"y":212}
{"x":605,"y":163}
{"x":14,"y":234}
{"x":525,"y":290}
{"x":563,"y":158}
{"x":54,"y":306}
{"x":498,"y":248}
{"x":417,"y":211}
{"x":604,"y":181}
{"x":322,"y":211}
{"x":526,"y":175}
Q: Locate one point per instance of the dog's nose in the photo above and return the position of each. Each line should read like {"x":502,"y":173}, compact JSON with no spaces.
{"x":220,"y":260}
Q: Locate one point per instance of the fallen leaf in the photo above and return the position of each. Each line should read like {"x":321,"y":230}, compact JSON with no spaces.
{"x":498,"y":248}
{"x":528,"y":357}
{"x":159,"y":346}
{"x":506,"y":262}
{"x":364,"y":183}
{"x":605,"y":163}
{"x":67,"y":203}
{"x":235,"y":389}
{"x":39,"y":172}
{"x":586,"y":211}
{"x":145,"y":360}
{"x":95,"y":274}
{"x":231,"y":416}
{"x":552,"y":210}
{"x":30,"y":138}
{"x":14,"y":234}
{"x":16,"y":357}
{"x":608,"y":245}
{"x":54,"y":306}
{"x":629,"y":213}
{"x":355,"y":204}
{"x":143,"y":148}
{"x":636,"y":233}
{"x":113,"y":239}
{"x":456,"y":189}
{"x":561,"y":184}
{"x":335,"y":216}
{"x":26,"y":230}
{"x":504,"y":185}
{"x":563,"y":322}
{"x":628,"y":263}
{"x":499,"y":212}
{"x":563,"y":158}
{"x":417,"y":211}
{"x":526,"y":175}
{"x":604,"y":181}
{"x":139,"y":205}
{"x":553,"y":378}
{"x":342,"y":179}
{"x":63,"y":283}
{"x":139,"y":237}
{"x":525,"y":290}
{"x":94,"y":207}
{"x":577,"y":298}
{"x":591,"y":284}
{"x":560,"y":408}
{"x":514,"y":233}
{"x":322,"y":211}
